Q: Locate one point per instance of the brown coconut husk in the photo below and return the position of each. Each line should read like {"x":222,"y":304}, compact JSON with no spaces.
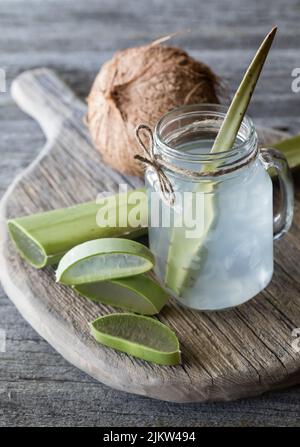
{"x":139,"y":85}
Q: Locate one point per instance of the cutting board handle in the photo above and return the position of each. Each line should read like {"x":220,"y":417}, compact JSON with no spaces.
{"x":46,"y":98}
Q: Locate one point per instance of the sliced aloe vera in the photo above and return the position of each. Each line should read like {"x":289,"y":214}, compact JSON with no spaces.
{"x":103,"y":259}
{"x":186,"y":256}
{"x":140,"y":294}
{"x":140,"y":336}
{"x":43,"y":238}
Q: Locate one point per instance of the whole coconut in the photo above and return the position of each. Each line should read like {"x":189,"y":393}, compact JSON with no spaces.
{"x":139,"y":85}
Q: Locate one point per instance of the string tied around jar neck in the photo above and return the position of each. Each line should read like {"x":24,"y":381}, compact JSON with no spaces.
{"x":158,"y":164}
{"x":155,"y":161}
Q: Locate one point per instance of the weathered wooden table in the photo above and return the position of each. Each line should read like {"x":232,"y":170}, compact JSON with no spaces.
{"x":37,"y":386}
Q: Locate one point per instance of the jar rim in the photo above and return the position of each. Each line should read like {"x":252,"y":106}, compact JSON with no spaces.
{"x":237,"y":153}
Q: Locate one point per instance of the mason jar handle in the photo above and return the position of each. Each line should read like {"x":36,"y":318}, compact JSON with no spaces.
{"x":273,"y":158}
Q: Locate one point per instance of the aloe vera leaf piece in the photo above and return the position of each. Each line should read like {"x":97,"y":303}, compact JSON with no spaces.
{"x":139,"y":336}
{"x":42,"y":239}
{"x":103,"y":259}
{"x":238,"y":107}
{"x":290,"y":147}
{"x":187,"y":255}
{"x":140,"y":294}
{"x":183,"y":254}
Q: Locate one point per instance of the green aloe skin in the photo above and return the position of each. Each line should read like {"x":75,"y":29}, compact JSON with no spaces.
{"x":186,"y":255}
{"x":290,"y":147}
{"x":42,"y":239}
{"x":139,"y":336}
{"x":104,"y":259}
{"x":108,"y":271}
{"x":139,"y":294}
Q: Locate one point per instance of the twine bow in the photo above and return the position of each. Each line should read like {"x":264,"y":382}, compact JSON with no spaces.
{"x":153,"y":160}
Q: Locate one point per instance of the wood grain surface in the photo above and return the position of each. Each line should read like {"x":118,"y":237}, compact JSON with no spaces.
{"x":34,"y":380}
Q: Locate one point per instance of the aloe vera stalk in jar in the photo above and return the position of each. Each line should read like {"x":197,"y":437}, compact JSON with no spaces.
{"x":186,"y":255}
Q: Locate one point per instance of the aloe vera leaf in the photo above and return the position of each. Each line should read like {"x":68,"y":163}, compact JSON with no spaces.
{"x":238,"y":107}
{"x":290,"y":147}
{"x":140,"y":294}
{"x":139,"y":336}
{"x":42,"y":239}
{"x":187,"y":255}
{"x":183,"y":256}
{"x":103,"y":259}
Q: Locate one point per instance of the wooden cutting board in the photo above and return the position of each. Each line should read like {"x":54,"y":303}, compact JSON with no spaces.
{"x":225,"y":355}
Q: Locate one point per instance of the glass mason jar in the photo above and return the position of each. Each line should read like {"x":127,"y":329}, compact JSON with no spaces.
{"x":214,"y":245}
